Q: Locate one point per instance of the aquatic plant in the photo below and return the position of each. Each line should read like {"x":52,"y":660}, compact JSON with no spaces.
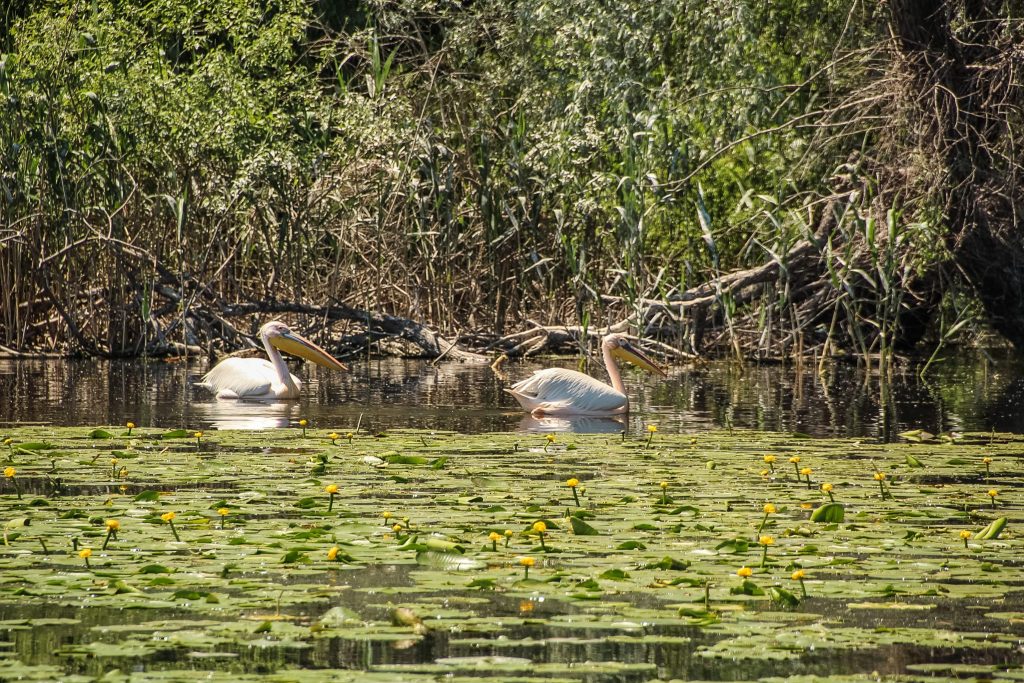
{"x":540,"y":528}
{"x":9,"y":475}
{"x":827,"y":488}
{"x":765,"y":542}
{"x":572,"y":483}
{"x":632,"y":557}
{"x":130,"y":426}
{"x":303,"y":423}
{"x":169,"y":518}
{"x":769,"y":509}
{"x":800,"y":575}
{"x":526,"y":563}
{"x":770,"y":461}
{"x":331,"y":490}
{"x":333,"y":436}
{"x":651,"y":430}
{"x":112,"y":526}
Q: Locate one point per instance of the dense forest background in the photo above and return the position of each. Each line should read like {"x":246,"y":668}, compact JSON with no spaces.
{"x":735,"y":177}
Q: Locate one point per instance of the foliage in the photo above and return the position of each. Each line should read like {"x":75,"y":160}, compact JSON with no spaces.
{"x":464,"y":164}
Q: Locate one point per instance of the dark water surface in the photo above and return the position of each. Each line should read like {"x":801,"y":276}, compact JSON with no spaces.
{"x":972,"y":392}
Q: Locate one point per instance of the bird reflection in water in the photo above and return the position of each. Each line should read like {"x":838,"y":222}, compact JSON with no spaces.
{"x":580,"y":424}
{"x":247,"y":414}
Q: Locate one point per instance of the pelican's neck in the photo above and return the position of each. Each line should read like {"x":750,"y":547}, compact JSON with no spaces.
{"x":283,"y":375}
{"x":613,"y":370}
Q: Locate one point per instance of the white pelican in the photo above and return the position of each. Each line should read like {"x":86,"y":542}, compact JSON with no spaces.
{"x":259,"y":378}
{"x":556,"y":391}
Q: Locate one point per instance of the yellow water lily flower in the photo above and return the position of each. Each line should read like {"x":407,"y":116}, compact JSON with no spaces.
{"x":10,"y":472}
{"x":332,"y":554}
{"x":540,"y":527}
{"x":331,"y":489}
{"x":744,"y":572}
{"x":769,"y":509}
{"x":167,"y":516}
{"x":572,"y":483}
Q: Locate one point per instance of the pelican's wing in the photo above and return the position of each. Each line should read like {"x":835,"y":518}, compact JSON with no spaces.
{"x":241,"y":377}
{"x":557,"y":390}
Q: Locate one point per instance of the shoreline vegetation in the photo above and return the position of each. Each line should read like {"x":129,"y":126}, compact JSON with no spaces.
{"x":807,"y":178}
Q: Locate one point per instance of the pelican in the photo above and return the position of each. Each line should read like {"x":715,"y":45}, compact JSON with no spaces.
{"x":259,"y":378}
{"x":556,"y":391}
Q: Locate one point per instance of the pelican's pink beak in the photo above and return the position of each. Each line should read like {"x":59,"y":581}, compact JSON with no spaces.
{"x":299,"y":346}
{"x":629,"y":353}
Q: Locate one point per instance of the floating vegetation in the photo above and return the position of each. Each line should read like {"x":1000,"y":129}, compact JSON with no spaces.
{"x":415,"y":556}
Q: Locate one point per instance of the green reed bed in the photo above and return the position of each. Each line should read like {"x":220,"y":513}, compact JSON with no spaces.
{"x":313,"y":553}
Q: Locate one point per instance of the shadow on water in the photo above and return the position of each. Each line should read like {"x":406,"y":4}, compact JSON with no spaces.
{"x":969,"y":393}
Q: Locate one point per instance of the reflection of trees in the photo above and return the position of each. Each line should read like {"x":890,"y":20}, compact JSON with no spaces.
{"x":396,"y":393}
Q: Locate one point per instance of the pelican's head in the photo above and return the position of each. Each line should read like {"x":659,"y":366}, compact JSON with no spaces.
{"x":280,"y":337}
{"x":621,"y":348}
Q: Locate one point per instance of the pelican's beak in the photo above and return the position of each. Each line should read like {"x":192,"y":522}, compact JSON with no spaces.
{"x":299,"y":346}
{"x":631,"y":354}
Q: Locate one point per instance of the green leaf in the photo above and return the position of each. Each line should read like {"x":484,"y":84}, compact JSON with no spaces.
{"x":614,"y":575}
{"x":442,"y":545}
{"x":156,"y":569}
{"x":35,"y":446}
{"x":100,"y":434}
{"x":917,"y":435}
{"x":913,"y":462}
{"x":631,"y":545}
{"x":483,"y":584}
{"x":748,"y":587}
{"x":829,"y":513}
{"x":308,"y":503}
{"x":176,"y":434}
{"x":992,"y":530}
{"x":439,"y":463}
{"x":782,"y":596}
{"x":581,"y":528}
{"x":398,"y":459}
{"x":666,"y":563}
{"x":734,"y":545}
{"x":295,"y":555}
{"x":147,"y":495}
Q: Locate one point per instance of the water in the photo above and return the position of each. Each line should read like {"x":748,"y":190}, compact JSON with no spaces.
{"x":970,"y":393}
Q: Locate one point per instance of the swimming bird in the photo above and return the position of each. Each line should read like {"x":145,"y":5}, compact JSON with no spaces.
{"x":557,"y":391}
{"x":260,"y":378}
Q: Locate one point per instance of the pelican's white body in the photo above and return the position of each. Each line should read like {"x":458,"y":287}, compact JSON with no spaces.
{"x":556,"y":391}
{"x":252,"y":378}
{"x":266,"y":379}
